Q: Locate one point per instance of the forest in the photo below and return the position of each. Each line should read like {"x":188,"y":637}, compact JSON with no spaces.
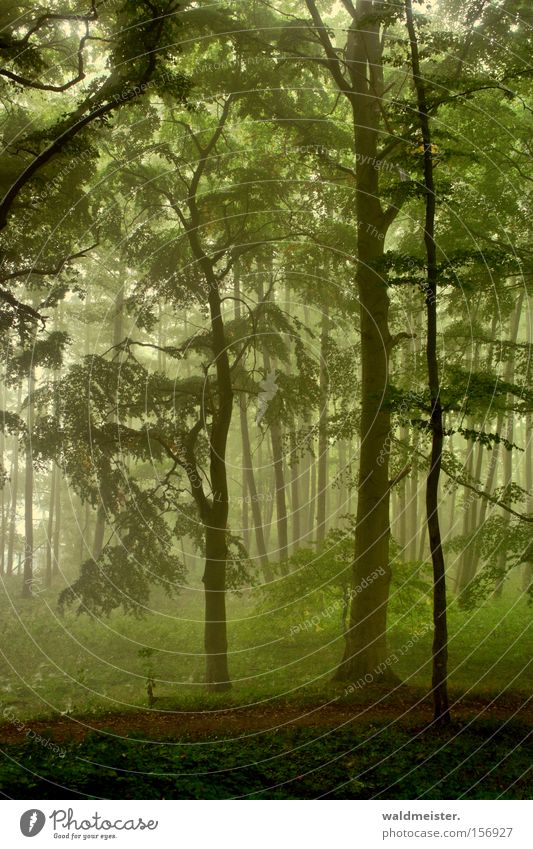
{"x":266,"y":460}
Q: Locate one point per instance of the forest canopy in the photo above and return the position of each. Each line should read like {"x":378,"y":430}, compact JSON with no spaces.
{"x":265,"y":288}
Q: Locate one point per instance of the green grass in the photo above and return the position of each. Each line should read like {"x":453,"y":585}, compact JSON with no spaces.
{"x":80,"y":665}
{"x":479,"y":761}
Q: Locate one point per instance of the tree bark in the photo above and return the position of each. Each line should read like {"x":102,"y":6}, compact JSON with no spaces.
{"x":441,"y":710}
{"x":249,"y":482}
{"x":508,"y":454}
{"x":276,"y":439}
{"x":216,"y":638}
{"x":50,"y":527}
{"x":101,"y":512}
{"x":527,"y":576}
{"x":3,"y":522}
{"x":13,"y":498}
{"x":216,"y":519}
{"x":27,"y":580}
{"x":296,"y":508}
{"x":323,"y":453}
{"x":57,"y":525}
{"x":366,"y":637}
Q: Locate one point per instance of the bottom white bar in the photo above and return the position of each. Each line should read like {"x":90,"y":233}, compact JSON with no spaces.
{"x":267,"y":824}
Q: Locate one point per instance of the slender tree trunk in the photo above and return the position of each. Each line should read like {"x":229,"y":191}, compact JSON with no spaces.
{"x":101,"y":512}
{"x":13,"y":499}
{"x":57,"y":525}
{"x":249,"y":482}
{"x":311,"y":513}
{"x":323,"y":453}
{"x":508,"y":454}
{"x":402,"y":502}
{"x":269,"y":512}
{"x":28,"y":492}
{"x":413,"y":518}
{"x":50,"y":527}
{"x":281,"y":503}
{"x":3,"y":522}
{"x":296,"y":507}
{"x":276,"y":439}
{"x":440,"y":632}
{"x":342,"y":472}
{"x":216,"y":518}
{"x":528,"y":564}
{"x":464,"y":567}
{"x":85,"y":531}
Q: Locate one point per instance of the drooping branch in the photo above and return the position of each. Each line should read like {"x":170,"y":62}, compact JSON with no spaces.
{"x":26,"y":83}
{"x":63,"y":139}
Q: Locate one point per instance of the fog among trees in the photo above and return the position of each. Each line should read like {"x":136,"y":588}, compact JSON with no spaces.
{"x":265,"y":289}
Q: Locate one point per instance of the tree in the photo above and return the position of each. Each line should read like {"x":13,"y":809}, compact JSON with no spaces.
{"x":440,"y":636}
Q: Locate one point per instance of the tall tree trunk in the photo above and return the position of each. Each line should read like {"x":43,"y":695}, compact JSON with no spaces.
{"x":412,"y":506}
{"x":27,"y":581}
{"x":50,"y":527}
{"x":441,"y":710}
{"x":342,"y":475}
{"x":101,"y":512}
{"x":57,"y":524}
{"x":249,"y":482}
{"x":366,"y":637}
{"x":296,"y":507}
{"x":528,"y":560}
{"x":323,"y":454}
{"x":514,"y":326}
{"x":276,"y":439}
{"x":13,"y":498}
{"x":216,"y":638}
{"x":402,"y":501}
{"x":311,"y":513}
{"x":3,"y":522}
{"x":216,"y":518}
{"x":281,"y":503}
{"x":464,"y":567}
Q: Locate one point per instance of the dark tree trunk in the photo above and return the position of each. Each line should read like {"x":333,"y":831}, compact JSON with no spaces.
{"x":441,"y":709}
{"x":50,"y":527}
{"x":281,"y":503}
{"x":296,"y":508}
{"x":216,"y":639}
{"x":27,"y":581}
{"x":366,"y":640}
{"x":249,"y":482}
{"x":3,"y":522}
{"x":311,"y":513}
{"x":101,"y":513}
{"x":276,"y":440}
{"x":57,"y":524}
{"x":528,"y":561}
{"x":509,"y":431}
{"x":216,"y":517}
{"x":322,"y":484}
{"x":13,"y":502}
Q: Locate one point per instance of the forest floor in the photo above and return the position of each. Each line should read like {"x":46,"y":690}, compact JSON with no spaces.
{"x":75,"y":720}
{"x":380,"y":745}
{"x":404,"y":705}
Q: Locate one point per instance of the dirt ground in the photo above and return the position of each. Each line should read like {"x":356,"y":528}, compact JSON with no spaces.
{"x":407,"y":708}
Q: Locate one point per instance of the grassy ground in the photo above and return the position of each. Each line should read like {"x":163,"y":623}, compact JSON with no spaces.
{"x":483,"y":760}
{"x":76,"y":665}
{"x":74,"y":719}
